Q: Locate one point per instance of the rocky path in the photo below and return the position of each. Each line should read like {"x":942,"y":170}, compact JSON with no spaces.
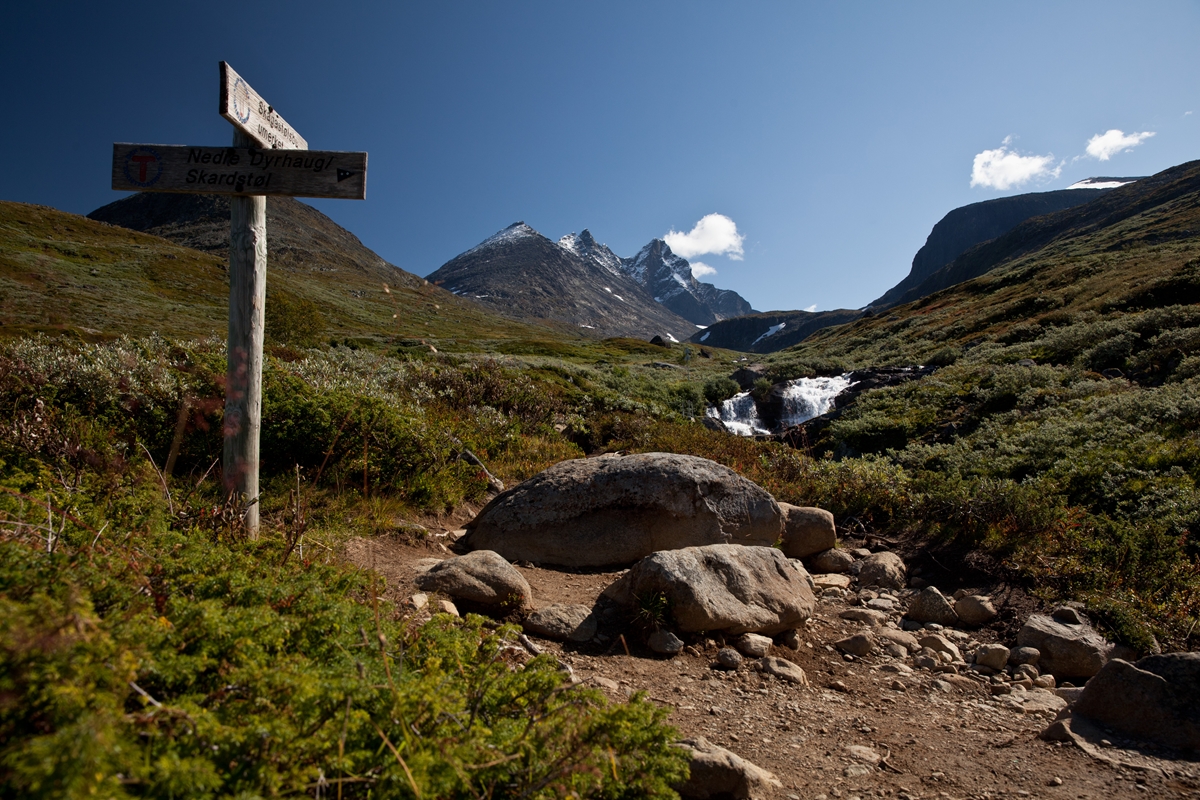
{"x":869,"y":726}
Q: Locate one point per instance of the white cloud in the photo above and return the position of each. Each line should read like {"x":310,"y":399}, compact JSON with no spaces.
{"x":714,"y":233}
{"x":1003,"y":168}
{"x":701,"y":270}
{"x":813,"y":307}
{"x":1104,"y":146}
{"x":1188,"y":113}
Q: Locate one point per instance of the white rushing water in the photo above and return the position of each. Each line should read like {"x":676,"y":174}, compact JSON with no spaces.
{"x":803,"y":399}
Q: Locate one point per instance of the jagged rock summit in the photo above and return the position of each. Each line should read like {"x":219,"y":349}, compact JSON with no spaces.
{"x":582,"y":283}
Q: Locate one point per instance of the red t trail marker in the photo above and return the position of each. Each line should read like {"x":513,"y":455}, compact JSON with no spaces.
{"x":268,"y":157}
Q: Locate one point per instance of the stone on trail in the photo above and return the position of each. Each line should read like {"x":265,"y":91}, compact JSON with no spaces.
{"x":975,"y":610}
{"x":930,"y":605}
{"x":831,"y":580}
{"x":782,"y":668}
{"x":753,"y":645}
{"x":870,"y":616}
{"x":1024,"y":655}
{"x":663,"y":642}
{"x":716,"y":772}
{"x":728,"y":658}
{"x":1157,"y":699}
{"x":940,"y":644}
{"x":721,"y":587}
{"x":806,"y":530}
{"x":859,"y":644}
{"x":562,"y":622}
{"x":482,"y":577}
{"x":994,"y":656}
{"x":885,"y":569}
{"x":613,"y":510}
{"x":1067,"y":650}
{"x":902,"y":638}
{"x":832,"y":561}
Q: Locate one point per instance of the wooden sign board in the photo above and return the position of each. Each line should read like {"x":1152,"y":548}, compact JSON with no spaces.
{"x":253,"y":116}
{"x":239,"y":170}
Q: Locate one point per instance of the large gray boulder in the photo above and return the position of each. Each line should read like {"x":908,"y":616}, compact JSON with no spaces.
{"x":806,"y":530}
{"x":721,"y":587}
{"x":1067,"y":650}
{"x":482,"y":577}
{"x":1157,"y":699}
{"x":613,"y":510}
{"x":716,"y":772}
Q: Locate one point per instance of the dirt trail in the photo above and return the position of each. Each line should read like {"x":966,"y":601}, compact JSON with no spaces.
{"x":869,"y":727}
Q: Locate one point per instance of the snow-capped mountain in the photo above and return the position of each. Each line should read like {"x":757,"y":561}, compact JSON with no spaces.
{"x":582,"y":282}
{"x":577,"y":283}
{"x":669,"y":279}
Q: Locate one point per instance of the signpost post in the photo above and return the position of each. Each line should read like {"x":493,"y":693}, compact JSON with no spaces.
{"x":268,"y":157}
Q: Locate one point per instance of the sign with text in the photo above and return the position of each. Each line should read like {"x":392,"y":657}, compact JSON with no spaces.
{"x":254,"y":116}
{"x":239,"y":170}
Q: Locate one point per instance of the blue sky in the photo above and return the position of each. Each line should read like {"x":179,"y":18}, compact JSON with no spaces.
{"x":832,"y":135}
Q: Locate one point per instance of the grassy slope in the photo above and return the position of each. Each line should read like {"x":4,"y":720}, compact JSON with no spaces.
{"x":62,"y":272}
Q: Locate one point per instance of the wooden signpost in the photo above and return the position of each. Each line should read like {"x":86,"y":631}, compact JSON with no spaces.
{"x":268,"y":157}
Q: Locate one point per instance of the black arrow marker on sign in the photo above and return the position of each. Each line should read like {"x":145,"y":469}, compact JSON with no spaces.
{"x":342,"y":174}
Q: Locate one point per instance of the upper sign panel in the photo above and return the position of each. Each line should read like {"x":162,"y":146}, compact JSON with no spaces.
{"x":253,"y":116}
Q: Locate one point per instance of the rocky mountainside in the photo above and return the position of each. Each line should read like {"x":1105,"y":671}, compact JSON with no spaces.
{"x":520,"y":273}
{"x":965,"y":227}
{"x":669,"y":278}
{"x":771,"y":331}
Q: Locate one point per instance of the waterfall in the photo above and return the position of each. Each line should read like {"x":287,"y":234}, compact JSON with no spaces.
{"x":803,"y":399}
{"x":740,"y":415}
{"x":806,"y":398}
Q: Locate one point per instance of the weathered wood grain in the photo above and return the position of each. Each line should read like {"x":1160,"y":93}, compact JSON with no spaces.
{"x":243,"y":379}
{"x":254,"y":116}
{"x":239,"y":170}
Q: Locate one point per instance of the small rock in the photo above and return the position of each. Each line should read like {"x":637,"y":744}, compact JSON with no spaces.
{"x":1044,"y":682}
{"x":806,"y":531}
{"x":716,"y":772}
{"x":994,"y":656}
{"x":753,"y":645}
{"x":419,"y":600}
{"x":881,"y":604}
{"x":782,"y":668}
{"x":898,"y":685}
{"x":833,"y":561}
{"x":859,"y":644}
{"x":902,"y":638}
{"x":929,"y":605}
{"x":975,"y":610}
{"x":482,"y":577}
{"x":943,"y":686}
{"x":838,"y":686}
{"x":1028,"y":671}
{"x":1024,"y":655}
{"x":664,"y":642}
{"x":940,"y":644}
{"x":446,"y":607}
{"x":1067,"y":649}
{"x":831,"y":581}
{"x":606,"y":683}
{"x":895,"y":651}
{"x":864,"y":754}
{"x":791,"y":640}
{"x":728,"y":658}
{"x":860,"y":552}
{"x":886,"y":570}
{"x":562,"y":622}
{"x":900,"y":667}
{"x":868,"y":615}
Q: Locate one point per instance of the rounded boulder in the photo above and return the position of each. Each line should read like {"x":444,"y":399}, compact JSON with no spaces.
{"x":613,"y":510}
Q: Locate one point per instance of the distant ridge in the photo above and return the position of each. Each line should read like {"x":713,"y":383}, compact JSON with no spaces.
{"x":972,"y":224}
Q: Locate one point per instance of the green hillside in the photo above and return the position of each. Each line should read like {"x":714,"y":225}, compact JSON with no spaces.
{"x":64,"y":273}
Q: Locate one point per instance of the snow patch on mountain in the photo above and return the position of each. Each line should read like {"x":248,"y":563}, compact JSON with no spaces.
{"x":771,"y":331}
{"x":1100,"y":183}
{"x":513,"y":233}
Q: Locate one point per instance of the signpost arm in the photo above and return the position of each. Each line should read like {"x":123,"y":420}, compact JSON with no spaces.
{"x":243,"y":386}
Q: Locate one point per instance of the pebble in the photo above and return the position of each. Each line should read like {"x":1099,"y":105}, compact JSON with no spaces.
{"x":838,"y":686}
{"x":728,"y":658}
{"x":898,"y":686}
{"x":859,"y":644}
